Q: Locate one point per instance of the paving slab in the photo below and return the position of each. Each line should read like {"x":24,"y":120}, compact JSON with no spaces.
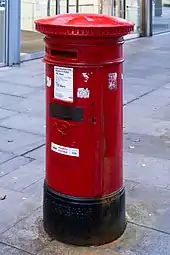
{"x":129,"y":185}
{"x":149,"y":206}
{"x":38,"y":153}
{"x":6,"y":113}
{"x":33,"y":81}
{"x":15,"y":89}
{"x":4,"y":156}
{"x":146,"y":170}
{"x":13,"y":164}
{"x":15,"y":207}
{"x":137,"y":109}
{"x":131,"y":83}
{"x":144,"y":125}
{"x":10,"y":141}
{"x":35,"y":189}
{"x":133,"y":92}
{"x":9,"y":100}
{"x":7,"y":250}
{"x":35,"y":67}
{"x":162,"y":75}
{"x":27,"y":234}
{"x":135,"y":241}
{"x":24,"y":122}
{"x":24,"y":176}
{"x":33,"y":105}
{"x":147,"y":145}
{"x":163,"y":113}
{"x":156,"y":98}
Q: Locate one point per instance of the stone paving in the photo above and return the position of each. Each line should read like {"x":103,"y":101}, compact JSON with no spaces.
{"x":146,"y":156}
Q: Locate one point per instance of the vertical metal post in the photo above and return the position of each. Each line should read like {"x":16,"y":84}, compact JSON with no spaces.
{"x":48,"y":7}
{"x":146,"y":18}
{"x":150,"y":18}
{"x":13,"y":30}
{"x":77,"y":6}
{"x":113,"y":8}
{"x":67,"y":6}
{"x":2,"y":35}
{"x":57,"y":7}
{"x":124,"y":9}
{"x":101,"y":6}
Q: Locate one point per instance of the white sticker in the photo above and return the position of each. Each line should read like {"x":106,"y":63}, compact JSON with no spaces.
{"x":74,"y":152}
{"x":112,"y":81}
{"x":86,"y":76}
{"x":48,"y":81}
{"x":83,"y":93}
{"x":63,"y":83}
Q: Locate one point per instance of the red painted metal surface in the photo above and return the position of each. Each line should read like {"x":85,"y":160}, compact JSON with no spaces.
{"x":96,"y":57}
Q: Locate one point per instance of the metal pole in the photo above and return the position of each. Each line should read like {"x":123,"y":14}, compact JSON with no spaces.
{"x":67,"y":6}
{"x":13,"y":31}
{"x":145,"y":18}
{"x":48,"y":7}
{"x":57,"y":6}
{"x":124,"y":9}
{"x":101,"y":6}
{"x":2,"y":35}
{"x":150,"y":18}
{"x":77,"y":6}
{"x":112,"y":8}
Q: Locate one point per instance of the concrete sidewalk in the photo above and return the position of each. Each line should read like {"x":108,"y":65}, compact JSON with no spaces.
{"x":146,"y":156}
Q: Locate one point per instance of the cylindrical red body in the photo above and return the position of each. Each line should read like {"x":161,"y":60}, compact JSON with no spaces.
{"x":84,"y":195}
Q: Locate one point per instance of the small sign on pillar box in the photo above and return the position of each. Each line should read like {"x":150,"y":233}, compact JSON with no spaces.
{"x":84,"y":195}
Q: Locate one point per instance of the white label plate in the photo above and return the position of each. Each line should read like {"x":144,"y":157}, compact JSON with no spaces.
{"x":74,"y":152}
{"x":63,"y":83}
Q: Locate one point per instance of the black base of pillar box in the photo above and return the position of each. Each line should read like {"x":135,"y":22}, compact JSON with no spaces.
{"x":81,"y":221}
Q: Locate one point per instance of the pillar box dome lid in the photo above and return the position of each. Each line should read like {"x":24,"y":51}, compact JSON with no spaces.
{"x":82,"y":24}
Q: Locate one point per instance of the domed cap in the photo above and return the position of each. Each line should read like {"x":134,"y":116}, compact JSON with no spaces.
{"x":81,"y":24}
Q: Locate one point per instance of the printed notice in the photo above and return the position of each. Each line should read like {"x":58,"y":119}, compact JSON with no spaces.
{"x":63,"y":83}
{"x":65,"y":150}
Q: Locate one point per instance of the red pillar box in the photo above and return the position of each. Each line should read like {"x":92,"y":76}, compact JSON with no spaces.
{"x":84,"y":196}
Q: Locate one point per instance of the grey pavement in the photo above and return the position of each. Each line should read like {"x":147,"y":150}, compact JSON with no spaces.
{"x":146,"y":156}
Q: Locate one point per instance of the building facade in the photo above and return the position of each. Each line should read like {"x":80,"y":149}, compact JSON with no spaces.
{"x":19,"y":41}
